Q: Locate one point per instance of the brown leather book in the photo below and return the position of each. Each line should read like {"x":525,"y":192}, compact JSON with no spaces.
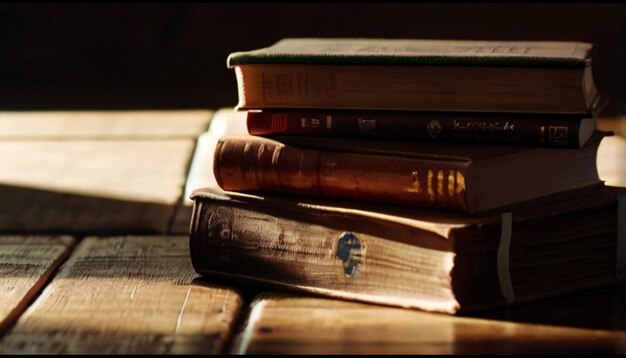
{"x":425,"y":259}
{"x":469,"y":178}
{"x":412,"y":74}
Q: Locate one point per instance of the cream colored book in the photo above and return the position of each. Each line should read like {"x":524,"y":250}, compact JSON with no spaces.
{"x":413,"y":74}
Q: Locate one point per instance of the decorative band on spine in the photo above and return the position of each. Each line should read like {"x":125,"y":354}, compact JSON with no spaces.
{"x":504,"y":273}
{"x":621,"y":236}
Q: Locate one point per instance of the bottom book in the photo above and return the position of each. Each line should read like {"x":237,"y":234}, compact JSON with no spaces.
{"x":424,"y":259}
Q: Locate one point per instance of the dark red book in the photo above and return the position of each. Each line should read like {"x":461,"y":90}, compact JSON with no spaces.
{"x":552,"y":130}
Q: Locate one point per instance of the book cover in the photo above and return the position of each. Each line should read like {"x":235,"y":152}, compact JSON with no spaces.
{"x":556,"y":131}
{"x":423,"y":259}
{"x":461,"y":177}
{"x":419,"y":52}
{"x":411,"y":74}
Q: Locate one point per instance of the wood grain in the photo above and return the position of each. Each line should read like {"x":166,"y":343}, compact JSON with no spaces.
{"x":26,"y":264}
{"x":95,"y":172}
{"x":32,"y":125}
{"x":132,"y":295}
{"x":138,"y":170}
{"x":300,"y":325}
{"x":89,"y":186}
{"x":28,"y":210}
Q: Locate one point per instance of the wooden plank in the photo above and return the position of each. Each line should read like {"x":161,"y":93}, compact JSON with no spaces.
{"x":32,"y":125}
{"x":130,"y":295}
{"x":138,"y":170}
{"x":301,"y":325}
{"x":91,"y":186}
{"x":26,"y":264}
{"x":94,"y":172}
{"x":26,"y":210}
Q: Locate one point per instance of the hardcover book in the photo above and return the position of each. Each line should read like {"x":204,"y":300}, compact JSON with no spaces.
{"x":469,"y":178}
{"x":436,"y":75}
{"x":423,"y":259}
{"x":552,"y":130}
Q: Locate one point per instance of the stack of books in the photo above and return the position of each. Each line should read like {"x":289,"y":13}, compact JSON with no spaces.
{"x":440,"y":175}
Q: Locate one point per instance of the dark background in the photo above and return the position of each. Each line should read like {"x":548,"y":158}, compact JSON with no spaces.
{"x":86,"y":56}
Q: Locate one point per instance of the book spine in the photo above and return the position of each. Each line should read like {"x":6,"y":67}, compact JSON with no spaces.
{"x":248,"y":163}
{"x":508,"y":129}
{"x":280,"y":249}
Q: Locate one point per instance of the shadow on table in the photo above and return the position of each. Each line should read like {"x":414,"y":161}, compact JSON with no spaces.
{"x":26,"y":210}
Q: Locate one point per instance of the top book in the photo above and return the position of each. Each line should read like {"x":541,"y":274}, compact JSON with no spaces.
{"x":437,"y":75}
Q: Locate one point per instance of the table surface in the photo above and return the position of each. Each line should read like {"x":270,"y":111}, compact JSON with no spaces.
{"x":94,"y":258}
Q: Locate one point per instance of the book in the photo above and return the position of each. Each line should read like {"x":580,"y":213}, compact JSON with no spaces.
{"x":434,"y":261}
{"x":543,"y":130}
{"x":463,"y":177}
{"x":411,"y":74}
{"x":200,"y":174}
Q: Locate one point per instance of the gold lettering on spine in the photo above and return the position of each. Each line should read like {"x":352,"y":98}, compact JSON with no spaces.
{"x":276,"y":154}
{"x":431,"y":190}
{"x":249,"y":171}
{"x":259,"y":152}
{"x":451,"y":183}
{"x":417,"y":188}
{"x":460,"y":182}
{"x":259,"y":175}
{"x":440,"y":182}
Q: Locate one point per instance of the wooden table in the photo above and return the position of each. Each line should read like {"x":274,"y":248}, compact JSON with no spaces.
{"x":94,"y":258}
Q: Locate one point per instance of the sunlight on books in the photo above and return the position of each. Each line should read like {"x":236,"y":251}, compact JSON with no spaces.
{"x":225,"y":121}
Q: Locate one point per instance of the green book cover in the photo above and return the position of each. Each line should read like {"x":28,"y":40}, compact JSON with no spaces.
{"x":413,"y":52}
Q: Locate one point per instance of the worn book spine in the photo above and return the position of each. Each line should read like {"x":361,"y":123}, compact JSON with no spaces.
{"x":565,"y":244}
{"x":511,"y":129}
{"x":249,"y":163}
{"x":308,"y":252}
